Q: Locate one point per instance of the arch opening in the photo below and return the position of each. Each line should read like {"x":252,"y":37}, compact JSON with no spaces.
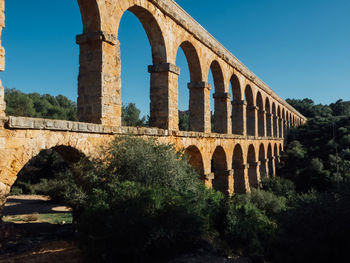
{"x":261,"y":115}
{"x":219,"y":168}
{"x":191,"y":114}
{"x":195,"y":159}
{"x":271,"y":165}
{"x":253,"y":167}
{"x":221,"y":99}
{"x":251,"y":111}
{"x":268,"y":118}
{"x":146,"y":38}
{"x":37,"y":195}
{"x":239,"y":167}
{"x":274,"y":120}
{"x":263,"y":162}
{"x":237,"y":106}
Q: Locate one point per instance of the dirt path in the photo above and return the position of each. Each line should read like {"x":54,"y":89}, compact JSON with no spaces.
{"x":34,"y":228}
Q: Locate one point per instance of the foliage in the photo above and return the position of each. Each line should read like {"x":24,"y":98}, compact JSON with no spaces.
{"x":131,"y":116}
{"x":184,"y":121}
{"x":48,"y":164}
{"x":134,"y":223}
{"x":140,"y":200}
{"x":245,"y":226}
{"x":308,"y":108}
{"x":279,"y":186}
{"x":39,"y":106}
{"x":318,"y":158}
{"x":314,"y":230}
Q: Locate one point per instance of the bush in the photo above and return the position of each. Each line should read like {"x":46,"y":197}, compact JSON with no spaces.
{"x":135,"y":223}
{"x":279,"y":186}
{"x":246,"y":228}
{"x":143,"y":201}
{"x":314,"y":230}
{"x":267,"y":202}
{"x":149,"y":163}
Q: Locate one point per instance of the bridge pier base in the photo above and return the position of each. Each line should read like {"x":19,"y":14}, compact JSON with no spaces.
{"x":164,"y":96}
{"x":99,"y":84}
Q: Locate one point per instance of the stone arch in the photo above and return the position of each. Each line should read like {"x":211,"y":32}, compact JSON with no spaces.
{"x":195,"y":84}
{"x":239,"y":167}
{"x":193,"y":61}
{"x":274,"y":120}
{"x":252,"y":167}
{"x":153,"y":30}
{"x":271,"y":164}
{"x":160,"y":110}
{"x":90,"y":15}
{"x":268,"y":118}
{"x":195,"y":159}
{"x":24,"y":154}
{"x":262,"y":161}
{"x":237,"y":106}
{"x":251,"y":111}
{"x":261,"y":115}
{"x":219,"y":168}
{"x":221,"y":99}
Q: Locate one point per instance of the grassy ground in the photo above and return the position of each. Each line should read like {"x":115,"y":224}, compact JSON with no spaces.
{"x":51,"y":218}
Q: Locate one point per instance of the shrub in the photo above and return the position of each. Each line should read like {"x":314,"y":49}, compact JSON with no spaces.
{"x":279,"y":186}
{"x":143,"y":201}
{"x":150,"y":163}
{"x":245,"y":227}
{"x":135,"y":223}
{"x":314,"y":230}
{"x":267,"y":202}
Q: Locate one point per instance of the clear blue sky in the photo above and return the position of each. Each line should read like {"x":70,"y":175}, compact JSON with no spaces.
{"x":301,"y":48}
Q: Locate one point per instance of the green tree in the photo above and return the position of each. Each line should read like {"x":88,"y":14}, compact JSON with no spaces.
{"x":131,"y":116}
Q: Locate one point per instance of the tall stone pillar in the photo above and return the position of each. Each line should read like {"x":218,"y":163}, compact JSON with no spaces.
{"x":222,"y":122}
{"x":262,"y":123}
{"x":199,"y":107}
{"x":240,"y":178}
{"x":164,"y":96}
{"x":239,"y":117}
{"x":2,"y":59}
{"x":99,"y":84}
{"x":269,"y":125}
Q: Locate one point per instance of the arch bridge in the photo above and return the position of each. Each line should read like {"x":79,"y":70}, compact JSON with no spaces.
{"x":249,"y":128}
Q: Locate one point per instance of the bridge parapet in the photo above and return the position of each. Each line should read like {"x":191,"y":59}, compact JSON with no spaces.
{"x":25,"y":123}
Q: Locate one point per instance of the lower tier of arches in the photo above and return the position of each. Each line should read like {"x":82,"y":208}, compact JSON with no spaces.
{"x":231,"y":164}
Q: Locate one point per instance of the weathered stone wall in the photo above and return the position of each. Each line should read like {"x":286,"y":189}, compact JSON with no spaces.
{"x":23,"y":138}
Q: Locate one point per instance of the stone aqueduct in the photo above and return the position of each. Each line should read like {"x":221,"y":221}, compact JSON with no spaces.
{"x":249,"y":129}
